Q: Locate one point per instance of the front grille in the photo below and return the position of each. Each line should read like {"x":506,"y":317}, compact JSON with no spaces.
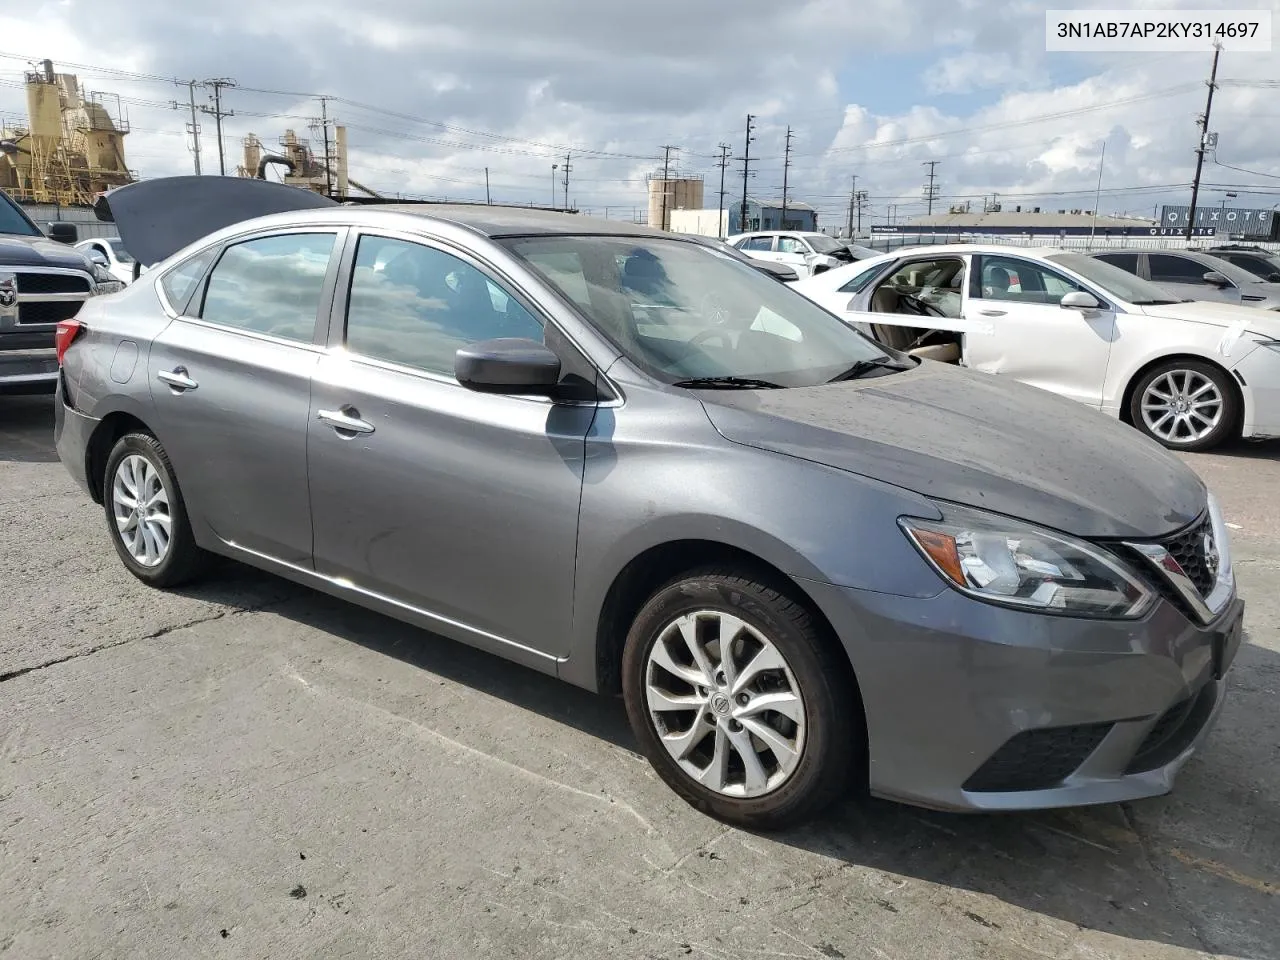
{"x":39,"y":283}
{"x":1037,"y":759}
{"x":1175,"y":730}
{"x":1197,"y":554}
{"x":47,"y":311}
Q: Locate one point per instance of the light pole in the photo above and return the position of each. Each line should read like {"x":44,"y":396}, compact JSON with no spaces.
{"x":554,"y":168}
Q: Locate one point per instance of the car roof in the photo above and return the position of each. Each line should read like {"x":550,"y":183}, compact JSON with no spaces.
{"x":497,"y":221}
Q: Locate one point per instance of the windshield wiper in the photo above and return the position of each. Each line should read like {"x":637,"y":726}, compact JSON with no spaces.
{"x":729,"y":383}
{"x":1157,"y":303}
{"x":863,"y":367}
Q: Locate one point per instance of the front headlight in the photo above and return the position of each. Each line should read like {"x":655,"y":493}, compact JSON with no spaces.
{"x":1004,"y":561}
{"x":104,"y":281}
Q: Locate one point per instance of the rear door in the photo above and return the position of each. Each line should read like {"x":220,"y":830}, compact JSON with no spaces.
{"x":1033,"y":338}
{"x":231,"y":382}
{"x":462,"y":506}
{"x":919,"y":294}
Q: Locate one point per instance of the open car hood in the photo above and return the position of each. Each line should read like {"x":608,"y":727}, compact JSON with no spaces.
{"x":157,"y":218}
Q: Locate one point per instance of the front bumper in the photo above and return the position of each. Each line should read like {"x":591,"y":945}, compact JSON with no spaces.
{"x":1260,"y":372}
{"x":32,"y":371}
{"x":974,"y":707}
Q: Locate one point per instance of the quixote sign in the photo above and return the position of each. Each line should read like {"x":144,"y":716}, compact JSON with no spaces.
{"x":1252,"y":222}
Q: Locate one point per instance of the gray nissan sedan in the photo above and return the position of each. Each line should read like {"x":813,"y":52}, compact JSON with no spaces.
{"x":808,"y":563}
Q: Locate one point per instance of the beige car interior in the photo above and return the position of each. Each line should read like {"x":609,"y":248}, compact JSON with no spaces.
{"x":925,"y":285}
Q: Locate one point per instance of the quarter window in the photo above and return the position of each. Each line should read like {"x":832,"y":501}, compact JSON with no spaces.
{"x":1128,"y":262}
{"x":415,"y":305}
{"x":179,"y":282}
{"x":271,"y":285}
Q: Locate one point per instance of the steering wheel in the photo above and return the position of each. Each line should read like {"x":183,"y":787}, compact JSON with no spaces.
{"x":703,"y":335}
{"x":713,"y":309}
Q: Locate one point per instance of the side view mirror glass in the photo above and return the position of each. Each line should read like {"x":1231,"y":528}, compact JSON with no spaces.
{"x":1216,"y":278}
{"x":507,"y":365}
{"x":1080,"y":300}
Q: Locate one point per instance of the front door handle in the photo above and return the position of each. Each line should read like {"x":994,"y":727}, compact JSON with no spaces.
{"x":993,"y":313}
{"x":177,"y":378}
{"x":347,"y":420}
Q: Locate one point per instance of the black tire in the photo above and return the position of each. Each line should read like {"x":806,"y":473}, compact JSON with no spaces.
{"x":832,"y":760}
{"x":184,"y":560}
{"x":1226,"y":428}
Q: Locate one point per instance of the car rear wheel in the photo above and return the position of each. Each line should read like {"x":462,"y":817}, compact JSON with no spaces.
{"x":739,"y":702}
{"x":1185,"y":405}
{"x":146,"y":516}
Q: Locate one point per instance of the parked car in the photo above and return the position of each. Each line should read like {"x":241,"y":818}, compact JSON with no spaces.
{"x":779,"y":271}
{"x":804,"y":560}
{"x":109,"y":252}
{"x":1197,"y":275}
{"x":1189,"y":374}
{"x":808,"y":253}
{"x":1263,"y":264}
{"x":42,"y":281}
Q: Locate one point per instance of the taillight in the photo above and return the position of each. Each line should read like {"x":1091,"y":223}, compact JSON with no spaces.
{"x":65,"y":335}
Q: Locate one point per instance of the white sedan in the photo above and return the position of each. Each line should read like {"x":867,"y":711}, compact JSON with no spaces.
{"x":1189,"y":374}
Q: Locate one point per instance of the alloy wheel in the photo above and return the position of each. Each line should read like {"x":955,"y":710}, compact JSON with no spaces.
{"x":140,"y":505}
{"x":725,"y":704}
{"x":1182,"y":406}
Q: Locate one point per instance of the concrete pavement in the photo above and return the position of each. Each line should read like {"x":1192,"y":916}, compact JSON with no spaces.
{"x":248,"y":769}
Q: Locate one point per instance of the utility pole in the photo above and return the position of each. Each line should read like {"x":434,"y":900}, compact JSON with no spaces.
{"x":666,"y":184}
{"x":218,"y":113}
{"x":554,"y":168}
{"x":487,"y":198}
{"x":193,"y":128}
{"x":746,"y":165}
{"x":567,"y":168}
{"x":786,"y":167}
{"x":861,"y":199}
{"x":930,"y":191}
{"x":721,"y":225}
{"x":324,"y":122}
{"x":1204,"y":137}
{"x":853,"y":199}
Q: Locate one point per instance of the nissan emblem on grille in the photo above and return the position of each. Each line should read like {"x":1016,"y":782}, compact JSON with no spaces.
{"x":1210,"y":556}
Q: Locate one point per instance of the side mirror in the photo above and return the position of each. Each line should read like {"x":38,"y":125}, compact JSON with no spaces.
{"x":821,"y":268}
{"x":64,"y":232}
{"x":1217,"y":279}
{"x":1079,"y":300}
{"x":507,"y":365}
{"x":98,"y":257}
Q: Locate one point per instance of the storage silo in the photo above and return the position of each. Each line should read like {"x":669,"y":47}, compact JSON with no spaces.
{"x":680,"y":193}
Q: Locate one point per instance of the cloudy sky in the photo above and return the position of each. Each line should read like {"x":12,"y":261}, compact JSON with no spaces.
{"x":435,"y":91}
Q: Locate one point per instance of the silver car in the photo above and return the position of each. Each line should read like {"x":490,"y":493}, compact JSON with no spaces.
{"x":806,"y":562}
{"x":1197,"y":275}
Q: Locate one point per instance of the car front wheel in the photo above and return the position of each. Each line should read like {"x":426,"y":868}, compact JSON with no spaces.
{"x":1185,"y":405}
{"x":146,"y":516}
{"x":740,"y":702}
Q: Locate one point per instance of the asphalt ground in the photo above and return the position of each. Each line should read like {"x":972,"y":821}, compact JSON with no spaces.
{"x":249,"y":769}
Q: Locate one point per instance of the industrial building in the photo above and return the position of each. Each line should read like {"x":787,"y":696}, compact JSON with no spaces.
{"x":761,"y":215}
{"x":71,"y":148}
{"x":666,"y":197}
{"x":1030,"y":223}
{"x":326,"y":174}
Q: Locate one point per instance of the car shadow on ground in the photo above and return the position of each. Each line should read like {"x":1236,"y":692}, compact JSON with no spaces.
{"x":26,"y":430}
{"x":1098,"y":868}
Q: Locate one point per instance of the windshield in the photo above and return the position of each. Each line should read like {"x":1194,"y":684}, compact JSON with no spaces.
{"x":681,"y":311}
{"x":1120,"y":284}
{"x":117,"y":247}
{"x":824,"y":244}
{"x":12,"y":220}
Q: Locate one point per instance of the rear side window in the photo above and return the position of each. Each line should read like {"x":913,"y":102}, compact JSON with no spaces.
{"x":757,"y":243}
{"x":271,"y":285}
{"x":179,"y":283}
{"x":1128,"y":262}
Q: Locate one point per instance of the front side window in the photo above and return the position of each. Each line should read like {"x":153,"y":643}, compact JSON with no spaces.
{"x":1170,"y":269}
{"x":122,"y":255}
{"x":682,"y":311}
{"x":415,"y":305}
{"x":1023,"y":281}
{"x":271,"y":285}
{"x":791,"y":245}
{"x":929,"y":288}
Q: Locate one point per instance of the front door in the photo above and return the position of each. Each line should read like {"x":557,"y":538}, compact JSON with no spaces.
{"x":231,"y":379}
{"x":1032,"y":337}
{"x":461,"y":505}
{"x":794,"y":253}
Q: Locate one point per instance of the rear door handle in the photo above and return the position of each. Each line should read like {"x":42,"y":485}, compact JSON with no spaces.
{"x":346,"y":420}
{"x":993,"y":313}
{"x":177,"y":378}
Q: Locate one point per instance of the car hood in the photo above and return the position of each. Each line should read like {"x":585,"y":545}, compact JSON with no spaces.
{"x":975,"y":439}
{"x":1218,"y":315}
{"x":157,"y":218}
{"x":18,"y":251}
